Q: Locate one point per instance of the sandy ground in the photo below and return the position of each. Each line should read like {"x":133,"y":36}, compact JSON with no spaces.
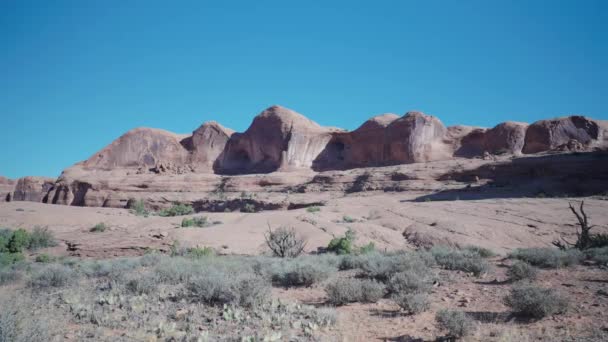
{"x":390,"y":220}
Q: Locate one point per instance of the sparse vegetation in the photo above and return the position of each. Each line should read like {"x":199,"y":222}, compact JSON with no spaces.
{"x":456,"y":323}
{"x":410,"y":281}
{"x":413,"y":303}
{"x":584,"y":238}
{"x":462,"y":260}
{"x":535,"y":302}
{"x":313,"y":209}
{"x":548,"y":257}
{"x":521,"y":270}
{"x":248,"y":208}
{"x":52,"y":276}
{"x":195,"y":222}
{"x":300,"y":273}
{"x":177,"y":209}
{"x":138,"y":207}
{"x":348,"y":219}
{"x":351,"y":290}
{"x":342,"y":244}
{"x":483,"y":252}
{"x":284,"y":242}
{"x":99,"y":228}
{"x":41,"y":238}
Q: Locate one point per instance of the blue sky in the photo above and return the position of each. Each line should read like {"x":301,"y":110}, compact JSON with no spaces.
{"x":75,"y":75}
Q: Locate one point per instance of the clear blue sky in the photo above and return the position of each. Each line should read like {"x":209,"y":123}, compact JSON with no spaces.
{"x":75,"y":75}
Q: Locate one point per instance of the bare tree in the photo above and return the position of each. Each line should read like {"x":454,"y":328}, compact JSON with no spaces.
{"x":583,"y":236}
{"x":284,"y":242}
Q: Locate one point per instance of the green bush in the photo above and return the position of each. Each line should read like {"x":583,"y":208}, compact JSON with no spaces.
{"x":457,"y":323}
{"x":521,"y":270}
{"x":462,"y":260}
{"x":177,"y":209}
{"x":195,"y":222}
{"x":138,"y":207}
{"x":41,"y":238}
{"x":5,"y":236}
{"x":548,"y":257}
{"x":98,"y":228}
{"x":313,"y":209}
{"x":344,"y":291}
{"x":52,"y":276}
{"x":43,"y":258}
{"x":343,"y":244}
{"x":10,"y":258}
{"x":414,"y":303}
{"x":20,"y":240}
{"x":535,"y":302}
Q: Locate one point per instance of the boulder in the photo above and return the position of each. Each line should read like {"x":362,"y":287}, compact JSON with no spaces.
{"x":546,"y":135}
{"x":33,"y":189}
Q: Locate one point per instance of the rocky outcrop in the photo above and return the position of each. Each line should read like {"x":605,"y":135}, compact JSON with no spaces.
{"x":208,"y":144}
{"x":507,"y":137}
{"x":6,"y":189}
{"x":278,"y":139}
{"x":546,"y":135}
{"x":144,"y":149}
{"x":34,"y":189}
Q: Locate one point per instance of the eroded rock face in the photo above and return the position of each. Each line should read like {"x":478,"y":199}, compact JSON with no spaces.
{"x":141,"y":148}
{"x":208,"y":143}
{"x":507,"y":137}
{"x":6,"y":189}
{"x":415,"y":138}
{"x":546,"y":135}
{"x":34,"y":189}
{"x":278,"y":139}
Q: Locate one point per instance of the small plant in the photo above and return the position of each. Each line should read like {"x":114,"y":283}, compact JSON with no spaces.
{"x":200,"y":252}
{"x":413,"y":303}
{"x":43,"y":258}
{"x":548,"y":257}
{"x":457,"y":323}
{"x":348,"y":219}
{"x":177,"y":209}
{"x":195,"y":222}
{"x":535,"y":302}
{"x":248,"y":208}
{"x":41,"y":238}
{"x":349,"y":290}
{"x":483,"y":252}
{"x":343,"y":244}
{"x":300,"y":273}
{"x":410,"y":281}
{"x":313,"y":209}
{"x":283,"y":242}
{"x":365,"y":249}
{"x":521,"y":270}
{"x":138,"y":207}
{"x":99,"y":228}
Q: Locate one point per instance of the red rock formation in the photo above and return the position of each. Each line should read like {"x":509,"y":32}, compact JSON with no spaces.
{"x":547,"y":135}
{"x":415,"y":138}
{"x":32,"y":189}
{"x":6,"y":189}
{"x":208,"y":143}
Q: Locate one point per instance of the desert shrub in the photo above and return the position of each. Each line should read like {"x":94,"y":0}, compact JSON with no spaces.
{"x":21,"y":322}
{"x":217,"y":287}
{"x":43,"y":258}
{"x":5,"y":236}
{"x":178,"y":209}
{"x":342,"y":244}
{"x":598,"y":240}
{"x":456,"y":323}
{"x":8,"y":276}
{"x":535,"y":302}
{"x":41,"y":238}
{"x":284,"y":242}
{"x":483,"y":252}
{"x":195,"y":222}
{"x":462,"y":260}
{"x":521,"y":270}
{"x":52,"y":276}
{"x":382,"y":266}
{"x":248,"y":208}
{"x":199,"y":252}
{"x":350,"y":290}
{"x":351,"y":262}
{"x":142,"y":284}
{"x":410,"y":281}
{"x":547,"y":257}
{"x":10,"y":258}
{"x":98,"y":228}
{"x":365,"y":249}
{"x":300,"y":273}
{"x":19,"y":240}
{"x":414,"y":303}
{"x":599,"y":255}
{"x":348,"y":219}
{"x":151,"y":259}
{"x":176,"y":270}
{"x":138,"y":207}
{"x":313,"y":209}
